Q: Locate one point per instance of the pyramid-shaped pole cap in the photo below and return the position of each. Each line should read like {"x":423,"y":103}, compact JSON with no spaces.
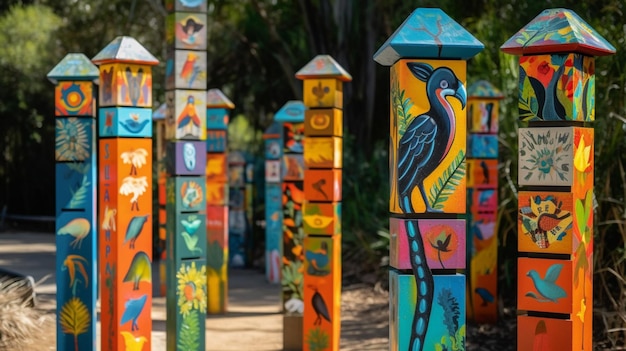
{"x":323,"y":66}
{"x":125,"y":49}
{"x":74,"y":66}
{"x":216,"y":99}
{"x":484,"y":90}
{"x":428,"y":33}
{"x":159,"y":113}
{"x":292,"y":111}
{"x":557,"y":31}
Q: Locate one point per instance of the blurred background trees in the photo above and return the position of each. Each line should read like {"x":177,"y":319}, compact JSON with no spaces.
{"x":256,"y":46}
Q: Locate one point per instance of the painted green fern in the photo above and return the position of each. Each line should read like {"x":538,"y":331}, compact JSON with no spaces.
{"x":401,"y":107}
{"x":189,"y":337}
{"x":448,"y":182}
{"x":317,"y":339}
{"x":80,"y":195}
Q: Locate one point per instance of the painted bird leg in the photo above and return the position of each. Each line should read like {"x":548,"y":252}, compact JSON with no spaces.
{"x":424,"y":285}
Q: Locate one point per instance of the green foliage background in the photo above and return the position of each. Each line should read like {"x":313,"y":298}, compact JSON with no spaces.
{"x":254,"y":49}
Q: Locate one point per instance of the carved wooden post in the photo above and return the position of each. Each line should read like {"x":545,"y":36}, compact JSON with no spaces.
{"x":273,"y":202}
{"x":76,"y":221}
{"x":427,"y":55}
{"x":125,"y":193}
{"x":323,"y":80}
{"x":482,"y":199}
{"x":186,"y":193}
{"x":555,"y":239}
{"x":218,"y":106}
{"x":291,"y":117}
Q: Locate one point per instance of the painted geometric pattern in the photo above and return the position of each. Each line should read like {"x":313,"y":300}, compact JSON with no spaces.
{"x":74,"y":99}
{"x":428,"y":137}
{"x":557,"y":87}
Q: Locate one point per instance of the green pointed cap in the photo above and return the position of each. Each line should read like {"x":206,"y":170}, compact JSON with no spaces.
{"x":292,"y":111}
{"x":75,"y":66}
{"x":125,"y":49}
{"x":323,"y":66}
{"x":557,"y":31}
{"x":216,"y":99}
{"x":428,"y":33}
{"x":484,"y":90}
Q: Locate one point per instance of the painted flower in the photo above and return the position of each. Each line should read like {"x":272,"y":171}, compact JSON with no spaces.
{"x":582,"y":156}
{"x":72,"y":142}
{"x":191,"y":289}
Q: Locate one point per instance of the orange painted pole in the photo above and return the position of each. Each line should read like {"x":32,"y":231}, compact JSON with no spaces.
{"x":555,"y":226}
{"x":125,"y":194}
{"x":323,"y":80}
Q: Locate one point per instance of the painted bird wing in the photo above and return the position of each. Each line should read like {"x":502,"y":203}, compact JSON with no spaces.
{"x":553,"y":273}
{"x":133,"y":308}
{"x":415,"y":149}
{"x":134,"y":227}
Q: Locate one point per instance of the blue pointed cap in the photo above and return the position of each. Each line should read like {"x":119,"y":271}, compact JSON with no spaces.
{"x":428,"y":33}
{"x":292,"y":111}
{"x":323,"y":66}
{"x":125,"y":49}
{"x":75,"y":66}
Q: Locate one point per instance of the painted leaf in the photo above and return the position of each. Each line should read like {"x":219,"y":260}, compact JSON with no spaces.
{"x":189,"y":337}
{"x":446,"y":185}
{"x":74,"y":317}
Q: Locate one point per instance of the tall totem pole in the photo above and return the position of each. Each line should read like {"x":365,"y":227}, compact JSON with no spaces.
{"x":75,"y":154}
{"x":482,"y":200}
{"x":273,"y":202}
{"x":185,"y":124}
{"x":427,"y":56}
{"x":555,"y":226}
{"x":323,"y":80}
{"x":125,"y":193}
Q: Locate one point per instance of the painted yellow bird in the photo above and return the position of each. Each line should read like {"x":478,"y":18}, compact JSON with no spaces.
{"x":132,"y":343}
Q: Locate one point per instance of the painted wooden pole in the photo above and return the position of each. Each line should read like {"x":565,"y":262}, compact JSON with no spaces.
{"x":185,"y":129}
{"x":291,"y":117}
{"x":273,"y":202}
{"x":482,"y":199}
{"x":76,"y":184}
{"x":555,"y":239}
{"x":427,"y":56}
{"x":323,"y":80}
{"x":237,"y":225}
{"x":125,"y":194}
{"x":218,"y":106}
{"x":158,"y":117}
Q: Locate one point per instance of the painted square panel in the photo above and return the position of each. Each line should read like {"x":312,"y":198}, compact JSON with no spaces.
{"x":320,"y":93}
{"x":544,"y":285}
{"x":546,"y":221}
{"x":482,"y":145}
{"x":539,"y":333}
{"x":186,"y":158}
{"x":322,"y":218}
{"x":427,"y":174}
{"x":482,"y":173}
{"x":188,"y":118}
{"x":322,"y":185}
{"x":273,"y":231}
{"x":217,"y":194}
{"x":293,"y":134}
{"x":74,"y":139}
{"x":273,"y":149}
{"x":216,"y":168}
{"x":557,"y":87}
{"x":443,"y":242}
{"x":186,"y":5}
{"x":191,"y":193}
{"x":447,"y":303}
{"x":322,"y":291}
{"x":186,"y":69}
{"x":123,"y":84}
{"x":292,"y":167}
{"x":216,"y":141}
{"x":325,"y":152}
{"x":186,"y":30}
{"x":74,"y":99}
{"x":482,"y":116}
{"x":217,"y":118}
{"x":75,"y":186}
{"x":323,"y":122}
{"x":125,"y":122}
{"x":191,"y":237}
{"x":272,"y":171}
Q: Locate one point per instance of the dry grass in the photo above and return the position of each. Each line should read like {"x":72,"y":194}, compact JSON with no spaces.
{"x":21,"y":324}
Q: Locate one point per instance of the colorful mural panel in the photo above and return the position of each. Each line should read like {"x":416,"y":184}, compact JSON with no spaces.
{"x":188,"y":118}
{"x":293,"y":241}
{"x":482,"y":173}
{"x":293,"y":134}
{"x":74,"y":139}
{"x":74,"y":183}
{"x":322,"y":184}
{"x":323,"y":152}
{"x":188,"y":158}
{"x":322,"y":218}
{"x":482,"y":116}
{"x":123,"y":84}
{"x":546,"y":221}
{"x":292,"y":167}
{"x":74,"y":98}
{"x":323,"y":93}
{"x":186,"y":30}
{"x":323,"y":122}
{"x":545,"y":285}
{"x":125,"y":122}
{"x":186,"y":69}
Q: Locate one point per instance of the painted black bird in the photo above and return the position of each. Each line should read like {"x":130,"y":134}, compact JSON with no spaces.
{"x":429,"y":137}
{"x":319,"y":306}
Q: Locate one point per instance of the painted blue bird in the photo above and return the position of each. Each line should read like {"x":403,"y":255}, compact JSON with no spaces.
{"x":134,"y":228}
{"x":318,"y":260}
{"x":546,"y":287}
{"x":421,"y":149}
{"x":550,"y":108}
{"x":132,"y":311}
{"x":319,"y":306}
{"x":133,"y":126}
{"x":485,"y":295}
{"x":429,"y":136}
